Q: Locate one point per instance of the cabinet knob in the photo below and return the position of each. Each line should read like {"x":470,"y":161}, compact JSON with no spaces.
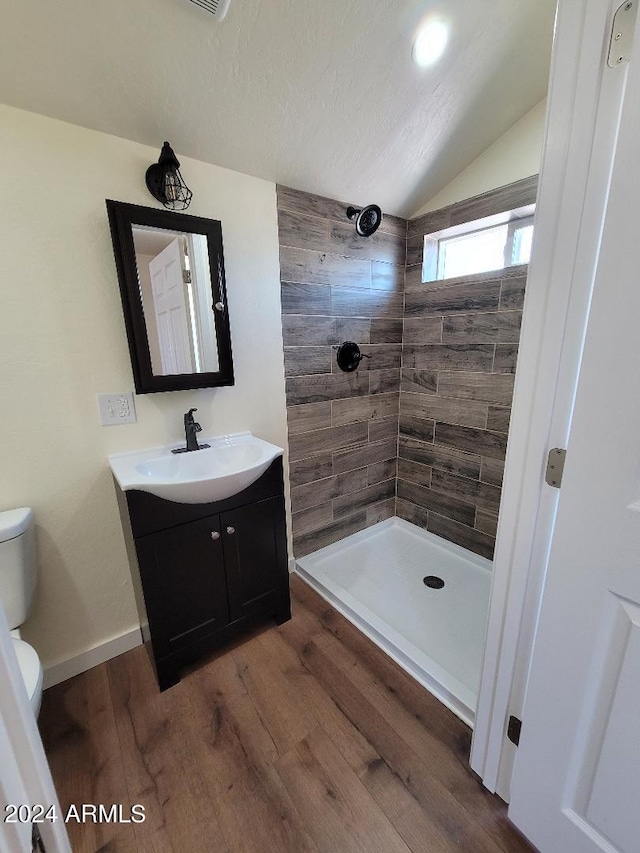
{"x":231,"y":530}
{"x":215,"y":534}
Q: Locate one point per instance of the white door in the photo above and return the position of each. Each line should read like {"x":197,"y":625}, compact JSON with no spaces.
{"x":576,"y":784}
{"x":172,"y":310}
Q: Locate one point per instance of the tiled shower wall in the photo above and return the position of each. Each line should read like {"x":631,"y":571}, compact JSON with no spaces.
{"x":460,"y":348}
{"x":459,"y":358}
{"x":449,"y":375}
{"x":343,"y":427}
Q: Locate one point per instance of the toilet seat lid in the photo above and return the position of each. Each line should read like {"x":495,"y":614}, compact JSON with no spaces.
{"x":29,"y":664}
{"x":14,"y":522}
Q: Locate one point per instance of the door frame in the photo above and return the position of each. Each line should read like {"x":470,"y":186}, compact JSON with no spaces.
{"x":582,"y":118}
{"x":24,"y":772}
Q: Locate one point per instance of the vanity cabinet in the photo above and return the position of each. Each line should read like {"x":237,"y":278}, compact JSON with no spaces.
{"x":208,"y":572}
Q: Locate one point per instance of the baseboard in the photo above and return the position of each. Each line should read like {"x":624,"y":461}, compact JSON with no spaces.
{"x":61,"y":671}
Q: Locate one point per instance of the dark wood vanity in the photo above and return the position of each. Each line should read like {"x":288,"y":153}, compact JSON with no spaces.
{"x":205,"y":573}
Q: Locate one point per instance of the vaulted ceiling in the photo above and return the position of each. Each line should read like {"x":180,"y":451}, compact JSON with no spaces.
{"x":321,"y":95}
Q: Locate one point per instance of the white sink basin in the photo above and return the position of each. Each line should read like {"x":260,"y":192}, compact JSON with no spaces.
{"x":232,"y":463}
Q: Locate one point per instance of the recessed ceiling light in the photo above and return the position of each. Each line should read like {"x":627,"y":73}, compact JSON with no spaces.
{"x":430,"y":43}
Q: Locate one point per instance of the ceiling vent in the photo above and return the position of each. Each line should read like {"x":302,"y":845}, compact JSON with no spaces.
{"x":218,"y":8}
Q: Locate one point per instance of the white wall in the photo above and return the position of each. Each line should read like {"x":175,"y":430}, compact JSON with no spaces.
{"x":62,"y":340}
{"x":515,"y":155}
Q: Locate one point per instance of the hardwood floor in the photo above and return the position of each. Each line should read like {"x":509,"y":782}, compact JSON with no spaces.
{"x":303,"y":738}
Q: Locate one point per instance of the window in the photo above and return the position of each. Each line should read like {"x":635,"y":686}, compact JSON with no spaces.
{"x":491,"y":244}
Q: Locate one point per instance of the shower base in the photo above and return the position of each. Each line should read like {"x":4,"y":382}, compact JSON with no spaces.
{"x":379,"y":578}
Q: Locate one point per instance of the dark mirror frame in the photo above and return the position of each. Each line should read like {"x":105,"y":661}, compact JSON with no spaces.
{"x":122,"y":218}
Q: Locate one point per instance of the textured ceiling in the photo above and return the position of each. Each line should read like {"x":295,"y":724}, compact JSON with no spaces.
{"x":321,"y":95}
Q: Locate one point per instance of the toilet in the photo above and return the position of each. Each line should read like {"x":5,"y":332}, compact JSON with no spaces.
{"x":17,"y":584}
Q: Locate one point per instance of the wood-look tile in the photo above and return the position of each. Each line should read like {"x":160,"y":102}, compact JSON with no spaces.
{"x":442,"y":458}
{"x":468,"y":413}
{"x":413,"y":277}
{"x":489,"y":328}
{"x":483,"y":387}
{"x":506,"y":358}
{"x":512,"y":294}
{"x":308,"y":331}
{"x":306,"y":543}
{"x":302,"y":361}
{"x":469,"y":356}
{"x":517,"y":194}
{"x":381,"y":511}
{"x":414,"y":472}
{"x":355,"y":302}
{"x":356,"y":457}
{"x":314,"y":494}
{"x":416,"y":427}
{"x":309,"y":204}
{"x":415,"y":250}
{"x":313,"y":518}
{"x":305,"y":298}
{"x":386,"y":331}
{"x":498,"y":418}
{"x":326,"y":440}
{"x":313,"y":267}
{"x":465,"y":489}
{"x":307,"y":417}
{"x":382,"y":429}
{"x":434,"y":220}
{"x":492,"y":471}
{"x":384,"y":381}
{"x":311,"y":468}
{"x":461,"y":534}
{"x":385,"y":276}
{"x":378,"y":357}
{"x":364,"y":408}
{"x":315,"y":389}
{"x":380,"y":471}
{"x":419,"y":381}
{"x":353,"y":329}
{"x":411,"y":512}
{"x":394,"y":225}
{"x":422,"y":330}
{"x":479,"y":441}
{"x":303,"y":232}
{"x":381,"y":246}
{"x":347,"y":504}
{"x":486,"y":522}
{"x":437,"y":502}
{"x":459,"y":299}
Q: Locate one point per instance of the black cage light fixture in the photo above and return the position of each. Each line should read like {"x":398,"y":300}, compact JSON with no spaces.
{"x":166,"y":184}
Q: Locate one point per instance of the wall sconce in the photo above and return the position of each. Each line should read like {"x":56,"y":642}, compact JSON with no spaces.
{"x":165,"y":182}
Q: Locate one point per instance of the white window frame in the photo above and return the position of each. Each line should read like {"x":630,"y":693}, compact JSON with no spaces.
{"x":515,"y":219}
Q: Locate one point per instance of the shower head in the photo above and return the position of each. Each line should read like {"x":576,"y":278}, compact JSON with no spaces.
{"x":367,"y":220}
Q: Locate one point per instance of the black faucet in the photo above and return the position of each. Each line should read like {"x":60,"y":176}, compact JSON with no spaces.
{"x":191,"y":427}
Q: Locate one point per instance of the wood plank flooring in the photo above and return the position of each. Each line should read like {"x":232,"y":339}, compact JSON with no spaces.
{"x":303,"y":738}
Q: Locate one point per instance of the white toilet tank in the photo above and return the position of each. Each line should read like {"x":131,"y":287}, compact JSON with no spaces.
{"x":17,"y":564}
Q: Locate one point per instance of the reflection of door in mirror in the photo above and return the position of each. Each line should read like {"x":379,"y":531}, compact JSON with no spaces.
{"x":175,"y":291}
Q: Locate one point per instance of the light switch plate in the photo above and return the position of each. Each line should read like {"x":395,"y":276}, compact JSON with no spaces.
{"x":116,"y":408}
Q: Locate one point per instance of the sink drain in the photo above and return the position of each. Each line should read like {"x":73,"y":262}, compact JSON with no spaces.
{"x":433,"y":582}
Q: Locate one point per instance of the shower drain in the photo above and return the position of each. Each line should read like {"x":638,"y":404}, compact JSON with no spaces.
{"x":433,"y":582}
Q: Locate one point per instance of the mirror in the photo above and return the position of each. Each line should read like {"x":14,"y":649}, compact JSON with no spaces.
{"x":172,"y":283}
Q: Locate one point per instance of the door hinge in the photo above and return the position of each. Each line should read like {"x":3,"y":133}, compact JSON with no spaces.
{"x":555,"y":467}
{"x":186,"y":276}
{"x":514,"y":728}
{"x":621,"y":41}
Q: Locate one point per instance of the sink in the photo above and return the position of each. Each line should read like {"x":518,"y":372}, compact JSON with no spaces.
{"x":228,"y":466}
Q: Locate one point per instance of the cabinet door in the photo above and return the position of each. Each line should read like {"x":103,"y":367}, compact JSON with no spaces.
{"x":184,"y":583}
{"x":255,"y":555}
